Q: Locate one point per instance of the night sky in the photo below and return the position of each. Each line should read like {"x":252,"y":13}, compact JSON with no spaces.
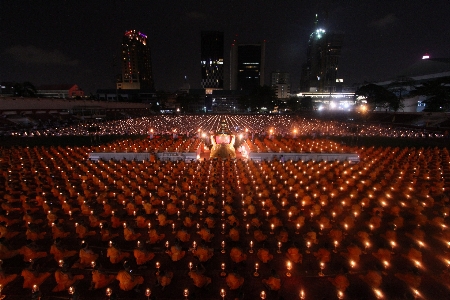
{"x":56,"y":41}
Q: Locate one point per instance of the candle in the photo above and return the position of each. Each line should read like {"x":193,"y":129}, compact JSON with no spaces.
{"x":256,"y":274}
{"x":223,"y":247}
{"x":148,"y":292}
{"x":289,"y":268}
{"x":322,"y":266}
{"x":262,"y":295}
{"x":158,"y":265}
{"x":223,"y":273}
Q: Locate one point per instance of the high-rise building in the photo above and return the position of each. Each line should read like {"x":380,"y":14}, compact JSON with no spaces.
{"x":136,"y":62}
{"x":212,"y":60}
{"x":247,"y":66}
{"x":281,"y":84}
{"x":319,"y":73}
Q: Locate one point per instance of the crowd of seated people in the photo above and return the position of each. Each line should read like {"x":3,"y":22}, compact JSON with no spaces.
{"x":327,"y":229}
{"x":255,"y":125}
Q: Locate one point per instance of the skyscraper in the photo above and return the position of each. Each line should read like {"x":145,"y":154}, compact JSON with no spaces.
{"x":136,"y":62}
{"x":319,"y":73}
{"x":247,"y":66}
{"x":212,"y":60}
{"x":281,"y":84}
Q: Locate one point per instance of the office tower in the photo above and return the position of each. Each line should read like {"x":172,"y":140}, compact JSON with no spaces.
{"x":247,"y":66}
{"x":212,"y":60}
{"x":136,"y":62}
{"x":319,"y":73}
{"x":281,"y":84}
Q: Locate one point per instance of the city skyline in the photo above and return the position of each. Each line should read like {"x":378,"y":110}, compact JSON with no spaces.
{"x":79,"y":43}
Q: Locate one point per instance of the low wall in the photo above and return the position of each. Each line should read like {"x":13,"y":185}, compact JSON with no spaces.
{"x":352,"y":157}
{"x":140,"y":156}
{"x":188,"y":156}
{"x":119,"y":156}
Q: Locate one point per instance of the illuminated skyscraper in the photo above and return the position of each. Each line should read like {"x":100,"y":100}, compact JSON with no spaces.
{"x":247,"y":66}
{"x":136,"y":62}
{"x":281,"y":84}
{"x":212,"y":60}
{"x":319,"y":73}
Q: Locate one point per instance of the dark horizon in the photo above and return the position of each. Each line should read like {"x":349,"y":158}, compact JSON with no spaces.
{"x":79,"y":42}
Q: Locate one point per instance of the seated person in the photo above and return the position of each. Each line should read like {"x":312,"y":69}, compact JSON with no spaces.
{"x":82,"y":231}
{"x":65,"y":279}
{"x":30,"y":252}
{"x":58,"y":251}
{"x":128,"y":281}
{"x":176,"y":253}
{"x":129,"y":234}
{"x":340,"y":282}
{"x":106,"y":234}
{"x":183,"y":235}
{"x":199,"y":279}
{"x":4,"y":278}
{"x":58,"y":232}
{"x":234,"y":281}
{"x":32,"y":277}
{"x":87,"y":256}
{"x":203,"y":253}
{"x":115,"y":255}
{"x":372,"y":278}
{"x":100,"y":279}
{"x":273,"y":282}
{"x":164,"y":278}
{"x":33,"y":233}
{"x":237,"y":255}
{"x":205,"y":234}
{"x":293,"y":254}
{"x":5,"y":232}
{"x":234,"y":234}
{"x":154,"y":237}
{"x":141,"y":255}
{"x":264,"y":255}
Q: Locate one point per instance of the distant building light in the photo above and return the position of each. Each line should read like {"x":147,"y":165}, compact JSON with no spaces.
{"x":339,"y":80}
{"x":426,"y":56}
